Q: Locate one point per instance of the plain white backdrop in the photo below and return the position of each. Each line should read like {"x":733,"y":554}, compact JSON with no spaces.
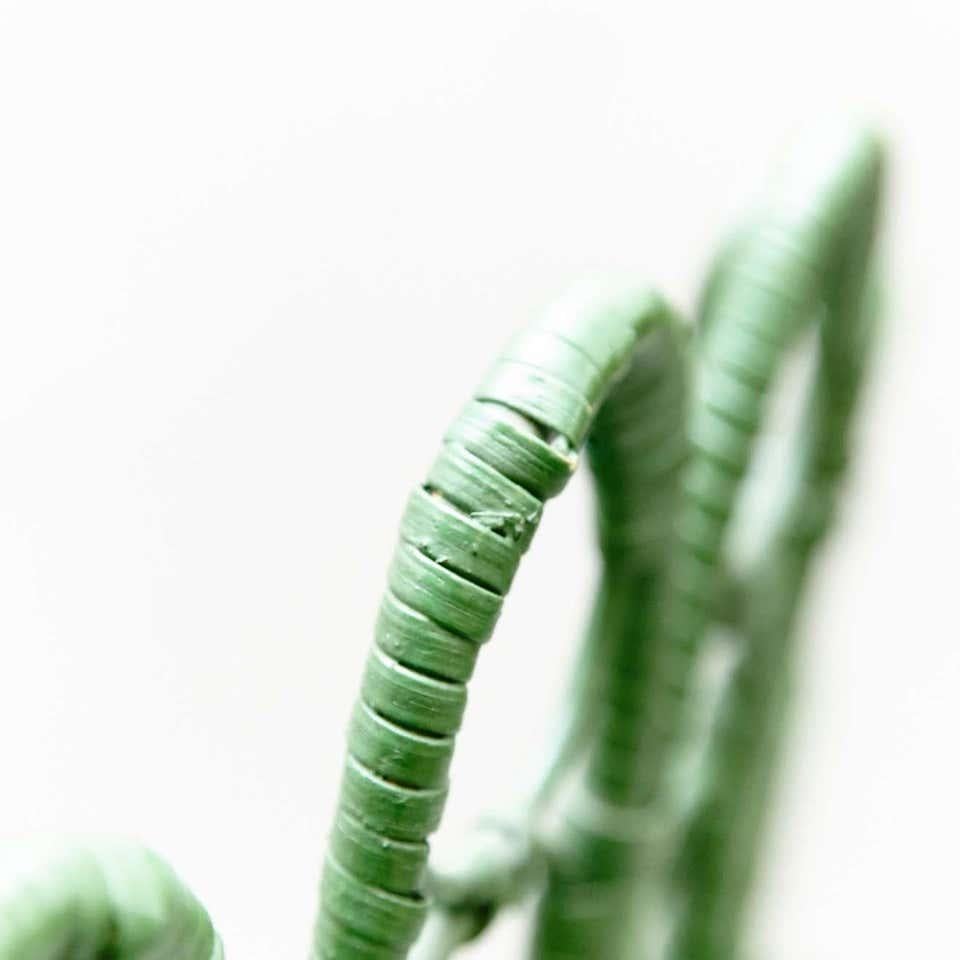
{"x":253,"y":256}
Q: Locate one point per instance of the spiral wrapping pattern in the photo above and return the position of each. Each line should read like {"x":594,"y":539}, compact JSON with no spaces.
{"x":721,"y":842}
{"x":808,"y":250}
{"x":461,"y":540}
{"x":637,"y":447}
{"x":616,"y":367}
{"x":781,"y":275}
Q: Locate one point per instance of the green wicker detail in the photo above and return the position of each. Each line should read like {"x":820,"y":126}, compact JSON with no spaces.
{"x":485,"y":495}
{"x":421,"y":703}
{"x":465,"y":546}
{"x":417,"y":642}
{"x":461,"y":539}
{"x":397,"y":754}
{"x":630,"y":853}
{"x":369,"y":911}
{"x":443,"y":596}
{"x":513,"y":447}
{"x":394,"y":865}
{"x":102,"y":900}
{"x":392,"y":810}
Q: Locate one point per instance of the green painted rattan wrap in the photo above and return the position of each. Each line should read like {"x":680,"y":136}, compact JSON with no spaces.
{"x":720,"y":845}
{"x":636,"y":451}
{"x":773,"y":287}
{"x":96,"y":901}
{"x":661,"y":592}
{"x":461,"y":539}
{"x":669,"y":463}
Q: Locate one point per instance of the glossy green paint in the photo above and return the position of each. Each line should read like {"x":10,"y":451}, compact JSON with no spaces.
{"x":668,"y":419}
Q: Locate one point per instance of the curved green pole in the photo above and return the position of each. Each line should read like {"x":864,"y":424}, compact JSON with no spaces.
{"x":462,"y":537}
{"x":636,"y":447}
{"x":780,"y":276}
{"x":637,"y":450}
{"x":720,"y":845}
{"x":807,"y":248}
{"x":619,"y":363}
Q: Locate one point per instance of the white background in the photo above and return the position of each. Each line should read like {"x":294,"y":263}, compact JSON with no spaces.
{"x":252,"y":259}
